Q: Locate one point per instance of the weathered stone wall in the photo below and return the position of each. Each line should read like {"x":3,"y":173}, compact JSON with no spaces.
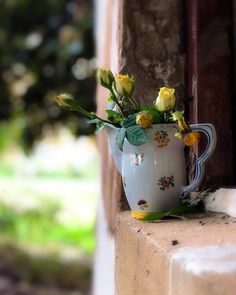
{"x":151,"y":46}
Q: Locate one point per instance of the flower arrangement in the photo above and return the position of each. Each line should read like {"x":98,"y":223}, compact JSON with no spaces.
{"x":131,"y":121}
{"x":127,"y":114}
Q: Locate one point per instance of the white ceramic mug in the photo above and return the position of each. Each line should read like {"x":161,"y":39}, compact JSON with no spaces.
{"x":154,"y":174}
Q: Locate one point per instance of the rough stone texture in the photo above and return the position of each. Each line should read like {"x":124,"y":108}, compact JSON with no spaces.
{"x":151,"y":46}
{"x":149,"y":258}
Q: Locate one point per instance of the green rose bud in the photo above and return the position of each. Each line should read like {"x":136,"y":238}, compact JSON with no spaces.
{"x":105,"y":77}
{"x":66,"y":100}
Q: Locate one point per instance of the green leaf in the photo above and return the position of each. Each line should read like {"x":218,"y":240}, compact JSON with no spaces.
{"x":176,"y":212}
{"x":121,"y":138}
{"x":117,"y":119}
{"x":154,"y":216}
{"x":181,"y":209}
{"x":136,"y":135}
{"x":111,"y":113}
{"x":130,"y":121}
{"x":114,"y":117}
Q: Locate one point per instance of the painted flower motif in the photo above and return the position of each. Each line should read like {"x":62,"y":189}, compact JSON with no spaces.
{"x":166,"y":182}
{"x":142,"y":204}
{"x":137,"y":158}
{"x":162,"y":138}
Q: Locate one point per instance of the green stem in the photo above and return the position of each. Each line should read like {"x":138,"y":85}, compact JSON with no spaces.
{"x":84,"y":112}
{"x":90,"y":115}
{"x":165,"y":117}
{"x":105,"y":121}
{"x":116,"y":100}
{"x":134,"y":102}
{"x":162,"y":117}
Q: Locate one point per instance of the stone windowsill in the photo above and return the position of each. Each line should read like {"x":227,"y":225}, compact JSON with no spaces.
{"x":197,"y":256}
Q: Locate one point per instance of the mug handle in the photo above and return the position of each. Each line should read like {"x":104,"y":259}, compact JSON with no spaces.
{"x":210,"y":132}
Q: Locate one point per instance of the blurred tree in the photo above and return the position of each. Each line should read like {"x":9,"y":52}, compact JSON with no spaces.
{"x":46,"y":47}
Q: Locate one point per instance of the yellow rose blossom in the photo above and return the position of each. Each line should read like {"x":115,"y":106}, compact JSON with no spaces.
{"x":191,"y":138}
{"x":166,"y":99}
{"x":124,"y":84}
{"x":144,"y":119}
{"x":139,"y":215}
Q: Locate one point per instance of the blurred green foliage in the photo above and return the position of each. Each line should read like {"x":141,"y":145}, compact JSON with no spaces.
{"x":46,"y":47}
{"x":41,"y":226}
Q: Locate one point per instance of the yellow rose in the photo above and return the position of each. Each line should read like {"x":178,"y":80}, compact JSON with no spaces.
{"x":139,"y":215}
{"x":124,"y":84}
{"x":166,"y":99}
{"x":191,"y":138}
{"x":144,"y":119}
{"x":105,"y":77}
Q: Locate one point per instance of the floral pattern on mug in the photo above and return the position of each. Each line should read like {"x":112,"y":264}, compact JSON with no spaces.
{"x":166,"y":182}
{"x":142,"y":204}
{"x":162,"y":138}
{"x":137,"y":158}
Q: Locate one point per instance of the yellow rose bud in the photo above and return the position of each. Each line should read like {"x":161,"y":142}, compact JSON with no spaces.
{"x":191,"y":138}
{"x":124,"y":84}
{"x":105,"y":77}
{"x":183,"y":125}
{"x":144,"y":119}
{"x":139,"y":215}
{"x":166,"y":99}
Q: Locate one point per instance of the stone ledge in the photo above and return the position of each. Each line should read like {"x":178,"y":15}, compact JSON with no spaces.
{"x":196,"y":256}
{"x":222,"y":200}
